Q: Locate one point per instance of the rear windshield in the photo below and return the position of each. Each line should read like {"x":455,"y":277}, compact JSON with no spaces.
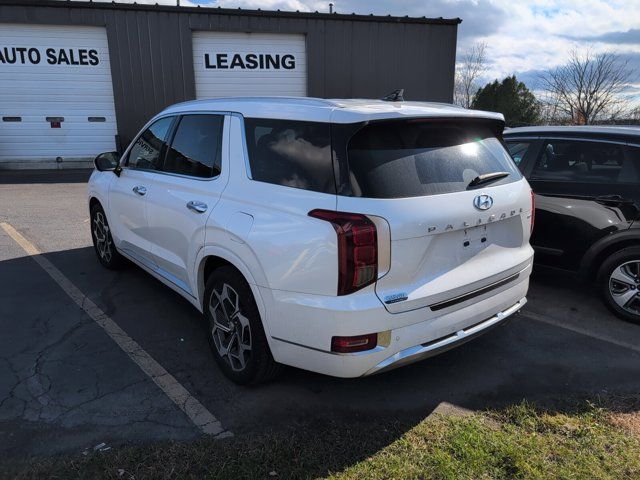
{"x":413,"y":158}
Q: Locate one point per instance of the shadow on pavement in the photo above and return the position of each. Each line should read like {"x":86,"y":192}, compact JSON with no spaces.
{"x":65,"y":376}
{"x":8,"y":177}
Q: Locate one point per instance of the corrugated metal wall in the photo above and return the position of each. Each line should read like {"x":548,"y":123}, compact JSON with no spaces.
{"x":348,"y":55}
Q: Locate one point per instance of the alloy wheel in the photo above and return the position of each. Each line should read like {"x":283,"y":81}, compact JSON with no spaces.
{"x":230,"y":328}
{"x":624,"y":282}
{"x":102,"y":237}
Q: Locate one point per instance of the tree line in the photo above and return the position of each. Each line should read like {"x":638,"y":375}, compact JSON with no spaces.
{"x":587,"y":89}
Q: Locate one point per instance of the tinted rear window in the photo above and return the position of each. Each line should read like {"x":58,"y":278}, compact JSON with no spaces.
{"x":291,"y":153}
{"x":409,"y":158}
{"x":587,"y":162}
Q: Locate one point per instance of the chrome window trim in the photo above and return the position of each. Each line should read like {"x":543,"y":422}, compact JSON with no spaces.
{"x":225,"y":129}
{"x":520,"y":139}
{"x":580,"y":139}
{"x":547,"y":139}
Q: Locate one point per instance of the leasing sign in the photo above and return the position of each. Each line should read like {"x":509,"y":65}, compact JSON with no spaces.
{"x":236,"y":64}
{"x":250,"y":61}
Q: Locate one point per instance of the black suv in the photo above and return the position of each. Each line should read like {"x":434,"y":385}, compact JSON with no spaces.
{"x":587,"y":186}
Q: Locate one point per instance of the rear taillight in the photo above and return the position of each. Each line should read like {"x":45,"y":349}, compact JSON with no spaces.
{"x":357,"y":249}
{"x":359,"y":343}
{"x":533,"y":210}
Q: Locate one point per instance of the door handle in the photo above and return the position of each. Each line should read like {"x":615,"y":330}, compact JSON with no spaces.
{"x":197,"y":207}
{"x":140,"y":190}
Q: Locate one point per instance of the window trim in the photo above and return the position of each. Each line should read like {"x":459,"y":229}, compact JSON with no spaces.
{"x":546,"y":140}
{"x":170,"y":134}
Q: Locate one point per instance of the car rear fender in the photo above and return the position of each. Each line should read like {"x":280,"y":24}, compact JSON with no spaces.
{"x":605,"y":246}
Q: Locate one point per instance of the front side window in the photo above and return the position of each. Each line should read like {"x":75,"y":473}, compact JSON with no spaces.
{"x":518,"y":150}
{"x":291,"y":153}
{"x":412,"y":158}
{"x":196,"y":149}
{"x":586,"y":161}
{"x":146,"y":152}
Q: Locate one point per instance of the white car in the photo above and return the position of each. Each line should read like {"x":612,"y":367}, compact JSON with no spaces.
{"x":345,"y":237}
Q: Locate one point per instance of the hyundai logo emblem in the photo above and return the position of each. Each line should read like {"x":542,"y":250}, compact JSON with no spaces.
{"x":483,"y":202}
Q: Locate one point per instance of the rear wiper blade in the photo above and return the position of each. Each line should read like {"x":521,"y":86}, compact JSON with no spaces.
{"x":487,"y":178}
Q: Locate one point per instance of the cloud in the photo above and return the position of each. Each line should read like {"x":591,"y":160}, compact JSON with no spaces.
{"x":631,"y":36}
{"x":479,"y":18}
{"x":522,"y":37}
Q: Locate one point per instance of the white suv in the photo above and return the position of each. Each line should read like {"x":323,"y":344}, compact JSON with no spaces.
{"x":346,"y":237}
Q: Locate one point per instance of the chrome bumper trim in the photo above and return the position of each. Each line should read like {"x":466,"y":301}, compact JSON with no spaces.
{"x":429,"y":349}
{"x":475,"y":293}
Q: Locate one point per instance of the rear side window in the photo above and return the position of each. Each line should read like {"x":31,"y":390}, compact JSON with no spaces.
{"x":145,"y":154}
{"x":291,"y":153}
{"x":412,"y":158}
{"x":518,"y":150}
{"x":587,"y":162}
{"x":196,"y":149}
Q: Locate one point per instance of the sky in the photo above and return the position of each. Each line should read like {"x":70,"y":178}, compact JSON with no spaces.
{"x":523,"y":37}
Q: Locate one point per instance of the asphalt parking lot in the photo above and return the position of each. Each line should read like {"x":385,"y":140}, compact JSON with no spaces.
{"x":66,"y":386}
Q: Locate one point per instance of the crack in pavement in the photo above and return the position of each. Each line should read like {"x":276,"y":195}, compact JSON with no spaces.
{"x":176,"y":392}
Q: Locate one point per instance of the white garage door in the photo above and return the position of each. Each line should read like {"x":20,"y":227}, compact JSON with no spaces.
{"x":236,"y":64}
{"x":56,"y":95}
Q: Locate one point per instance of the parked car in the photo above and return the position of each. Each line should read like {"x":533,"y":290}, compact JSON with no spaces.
{"x":587,"y":189}
{"x":346,"y":237}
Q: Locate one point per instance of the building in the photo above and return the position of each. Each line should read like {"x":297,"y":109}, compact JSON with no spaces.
{"x":79,"y":78}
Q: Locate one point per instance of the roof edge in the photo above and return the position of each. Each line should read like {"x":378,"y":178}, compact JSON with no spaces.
{"x":232,"y":11}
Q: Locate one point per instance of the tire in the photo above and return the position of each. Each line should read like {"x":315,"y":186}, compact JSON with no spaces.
{"x":236,"y":335}
{"x":103,"y":244}
{"x":619,"y":283}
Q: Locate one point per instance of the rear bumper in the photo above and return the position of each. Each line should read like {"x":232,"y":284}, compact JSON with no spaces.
{"x":429,"y":349}
{"x":300,"y":330}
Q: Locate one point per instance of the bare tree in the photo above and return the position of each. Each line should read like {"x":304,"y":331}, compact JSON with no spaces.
{"x":588,"y":87}
{"x":470,"y":69}
{"x":550,"y":113}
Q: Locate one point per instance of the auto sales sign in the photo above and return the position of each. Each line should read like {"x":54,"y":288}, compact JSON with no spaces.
{"x":27,"y":55}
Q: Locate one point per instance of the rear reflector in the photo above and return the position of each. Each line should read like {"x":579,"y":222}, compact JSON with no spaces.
{"x":359,"y":343}
{"x":533,"y":210}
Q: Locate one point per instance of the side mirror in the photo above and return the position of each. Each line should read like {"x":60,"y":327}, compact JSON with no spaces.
{"x":108,"y":161}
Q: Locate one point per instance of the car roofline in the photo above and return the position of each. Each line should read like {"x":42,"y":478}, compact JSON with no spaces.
{"x":326,"y":110}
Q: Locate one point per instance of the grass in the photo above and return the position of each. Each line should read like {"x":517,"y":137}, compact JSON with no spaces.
{"x":521,"y":441}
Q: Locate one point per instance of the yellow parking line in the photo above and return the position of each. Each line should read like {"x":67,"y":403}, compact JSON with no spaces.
{"x":197,"y":413}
